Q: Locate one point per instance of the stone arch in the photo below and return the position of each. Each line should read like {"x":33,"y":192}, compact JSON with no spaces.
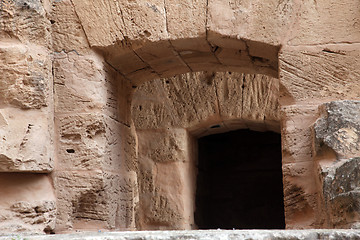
{"x":145,"y":41}
{"x":92,"y":148}
{"x":139,"y":42}
{"x":171,"y":114}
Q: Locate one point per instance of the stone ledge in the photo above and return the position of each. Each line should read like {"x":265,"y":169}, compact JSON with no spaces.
{"x":200,"y":234}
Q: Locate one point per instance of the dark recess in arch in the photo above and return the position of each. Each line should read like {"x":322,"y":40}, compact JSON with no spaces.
{"x":239,"y":182}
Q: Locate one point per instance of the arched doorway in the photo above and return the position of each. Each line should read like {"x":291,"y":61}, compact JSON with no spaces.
{"x":239,"y":181}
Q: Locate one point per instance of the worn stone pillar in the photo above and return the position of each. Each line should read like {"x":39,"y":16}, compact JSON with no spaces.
{"x":26,"y":119}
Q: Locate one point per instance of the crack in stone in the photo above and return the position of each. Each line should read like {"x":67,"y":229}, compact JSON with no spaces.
{"x":217,"y":96}
{"x":176,"y":53}
{"x":149,"y":66}
{"x":82,"y":26}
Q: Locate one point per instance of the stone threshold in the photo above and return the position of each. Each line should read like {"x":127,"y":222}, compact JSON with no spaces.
{"x":198,"y":234}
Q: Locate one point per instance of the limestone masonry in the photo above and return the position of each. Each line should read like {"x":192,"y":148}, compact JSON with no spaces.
{"x":104,"y":106}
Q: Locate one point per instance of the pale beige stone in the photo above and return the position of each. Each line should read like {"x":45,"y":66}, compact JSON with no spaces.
{"x":259,"y":21}
{"x":164,"y":191}
{"x":301,"y":196}
{"x":73,"y":72}
{"x":25,"y":81}
{"x":186,"y":19}
{"x":26,"y":141}
{"x":26,"y":204}
{"x":163,"y":146}
{"x":25,"y":21}
{"x":323,"y":22}
{"x":67,"y":32}
{"x":306,"y":79}
{"x":124,"y":148}
{"x":296,"y":132}
{"x":209,"y":99}
{"x":90,"y":200}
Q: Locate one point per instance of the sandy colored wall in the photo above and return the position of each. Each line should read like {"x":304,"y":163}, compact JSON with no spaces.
{"x":69,"y":70}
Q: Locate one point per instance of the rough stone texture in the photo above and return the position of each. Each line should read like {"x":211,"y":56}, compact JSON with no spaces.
{"x":201,"y":100}
{"x":305,"y":78}
{"x":316,"y":17}
{"x":300,"y":196}
{"x":339,"y":128}
{"x":24,"y":20}
{"x":98,"y":52}
{"x":163,"y":146}
{"x":170,"y":114}
{"x":139,"y":50}
{"x":166,"y":179}
{"x":297,"y":123}
{"x":25,"y":79}
{"x":67,"y":31}
{"x":26,"y":204}
{"x":336,"y":146}
{"x":26,"y":143}
{"x":95,"y":182}
{"x":25,"y":108}
{"x":204,"y":234}
{"x":341,"y":185}
{"x":95,"y":200}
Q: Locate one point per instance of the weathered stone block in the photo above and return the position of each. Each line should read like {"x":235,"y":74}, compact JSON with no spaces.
{"x":24,"y":20}
{"x":316,"y":18}
{"x":163,"y":146}
{"x":192,"y":15}
{"x":260,"y":21}
{"x":296,"y":132}
{"x":26,"y":80}
{"x":166,"y":194}
{"x":67,"y":32}
{"x":300,"y":196}
{"x":82,"y":141}
{"x":94,"y":200}
{"x":341,"y":182}
{"x":26,"y":141}
{"x":304,"y":77}
{"x":27,"y":203}
{"x":339,"y":128}
{"x":122,"y":21}
{"x":73,"y":72}
{"x":95,"y":141}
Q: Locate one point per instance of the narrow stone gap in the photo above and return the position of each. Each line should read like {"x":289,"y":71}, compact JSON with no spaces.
{"x":239,"y":182}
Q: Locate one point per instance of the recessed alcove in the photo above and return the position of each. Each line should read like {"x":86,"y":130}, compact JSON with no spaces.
{"x":239,"y":181}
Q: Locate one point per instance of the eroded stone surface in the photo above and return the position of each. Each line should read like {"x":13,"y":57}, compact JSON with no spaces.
{"x":26,"y":204}
{"x":26,"y":141}
{"x":97,"y":165}
{"x":201,"y":100}
{"x":67,"y":31}
{"x":24,"y":20}
{"x":25,"y":81}
{"x":95,"y":200}
{"x":305,"y":78}
{"x":341,"y":193}
{"x":339,"y":128}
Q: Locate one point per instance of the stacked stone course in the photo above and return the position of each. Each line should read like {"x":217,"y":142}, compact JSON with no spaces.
{"x":101,"y":103}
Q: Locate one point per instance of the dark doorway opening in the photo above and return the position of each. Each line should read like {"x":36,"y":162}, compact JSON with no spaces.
{"x":239,"y":182}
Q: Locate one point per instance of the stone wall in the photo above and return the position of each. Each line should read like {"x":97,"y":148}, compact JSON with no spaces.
{"x":73,"y":156}
{"x":170,"y":114}
{"x":28,"y":202}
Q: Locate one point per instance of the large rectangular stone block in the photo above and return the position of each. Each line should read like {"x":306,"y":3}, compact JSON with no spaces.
{"x":95,"y":200}
{"x":319,"y":73}
{"x":296,"y":132}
